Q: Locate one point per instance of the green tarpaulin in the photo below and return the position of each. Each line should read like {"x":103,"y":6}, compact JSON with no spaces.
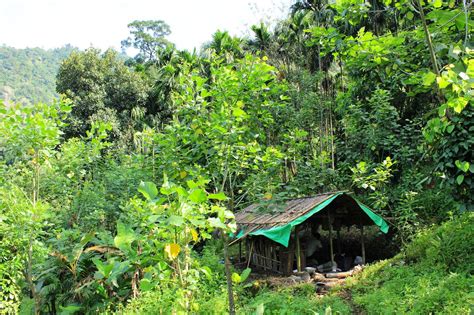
{"x":281,"y":234}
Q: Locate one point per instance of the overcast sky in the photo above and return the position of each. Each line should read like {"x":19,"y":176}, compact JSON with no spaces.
{"x":103,"y":23}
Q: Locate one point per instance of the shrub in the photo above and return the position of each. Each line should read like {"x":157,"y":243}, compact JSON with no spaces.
{"x":449,"y":245}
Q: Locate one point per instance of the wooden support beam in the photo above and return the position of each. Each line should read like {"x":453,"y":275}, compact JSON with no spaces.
{"x":240,"y":252}
{"x":250,"y":254}
{"x":339,"y":240}
{"x":298,"y":248}
{"x":362,"y":243}
{"x":331,"y":246}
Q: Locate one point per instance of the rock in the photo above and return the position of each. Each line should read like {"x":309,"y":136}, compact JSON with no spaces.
{"x":294,"y":278}
{"x":304,"y":276}
{"x":318,"y":277}
{"x":319,"y":287}
{"x":310,"y":270}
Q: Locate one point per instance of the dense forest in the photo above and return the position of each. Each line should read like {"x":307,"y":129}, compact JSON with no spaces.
{"x":29,"y":75}
{"x":120,"y":196}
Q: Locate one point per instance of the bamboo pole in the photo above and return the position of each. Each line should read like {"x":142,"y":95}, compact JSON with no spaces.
{"x":298,"y":249}
{"x":434,"y":62}
{"x":240,"y":251}
{"x":362,"y":243}
{"x":338,"y":233}
{"x":250,"y":254}
{"x":331,"y":246}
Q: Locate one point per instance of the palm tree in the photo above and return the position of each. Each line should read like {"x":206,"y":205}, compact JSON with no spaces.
{"x":262,"y":40}
{"x":224,"y":44}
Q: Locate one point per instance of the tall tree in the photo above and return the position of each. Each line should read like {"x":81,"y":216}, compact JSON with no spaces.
{"x":103,"y":88}
{"x":148,"y":37}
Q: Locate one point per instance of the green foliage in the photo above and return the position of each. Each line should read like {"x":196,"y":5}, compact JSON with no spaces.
{"x":372,"y":128}
{"x":426,"y":290}
{"x":374,"y":179}
{"x":221,"y":123}
{"x":159,"y":151}
{"x":450,"y":132}
{"x":29,"y":133}
{"x":13,"y":245}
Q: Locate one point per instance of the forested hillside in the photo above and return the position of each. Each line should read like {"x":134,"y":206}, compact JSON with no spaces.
{"x":121,"y":196}
{"x":29,"y":75}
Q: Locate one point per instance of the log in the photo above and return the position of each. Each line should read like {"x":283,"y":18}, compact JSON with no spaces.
{"x":339,"y":275}
{"x":333,"y":283}
{"x":318,"y":277}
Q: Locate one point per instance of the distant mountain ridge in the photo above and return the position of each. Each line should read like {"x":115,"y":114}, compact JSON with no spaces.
{"x":29,"y":75}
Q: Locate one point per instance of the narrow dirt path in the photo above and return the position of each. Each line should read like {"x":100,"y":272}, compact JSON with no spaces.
{"x":346,"y":294}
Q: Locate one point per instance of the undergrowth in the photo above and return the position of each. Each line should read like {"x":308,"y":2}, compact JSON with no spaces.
{"x":434,"y":274}
{"x":300,"y":299}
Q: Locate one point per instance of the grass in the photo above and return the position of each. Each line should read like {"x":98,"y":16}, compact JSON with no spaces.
{"x":434,"y":274}
{"x":299,"y":299}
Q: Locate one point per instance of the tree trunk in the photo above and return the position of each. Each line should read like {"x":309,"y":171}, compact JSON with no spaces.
{"x":230,"y":291}
{"x":428,"y":39}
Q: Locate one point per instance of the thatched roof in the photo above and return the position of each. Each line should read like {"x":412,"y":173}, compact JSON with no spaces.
{"x":254,"y":217}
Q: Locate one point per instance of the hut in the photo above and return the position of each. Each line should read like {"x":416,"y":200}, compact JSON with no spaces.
{"x":274,"y":232}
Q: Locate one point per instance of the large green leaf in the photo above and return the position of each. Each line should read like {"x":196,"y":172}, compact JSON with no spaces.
{"x":216,"y":223}
{"x":125,"y":237}
{"x":70,"y":309}
{"x":458,"y":103}
{"x":463,"y":166}
{"x":236,"y":278}
{"x":175,"y":220}
{"x":219,"y":196}
{"x":103,"y":269}
{"x":198,"y":196}
{"x":146,"y":285}
{"x":148,"y":190}
{"x":245,"y":274}
{"x":429,"y":78}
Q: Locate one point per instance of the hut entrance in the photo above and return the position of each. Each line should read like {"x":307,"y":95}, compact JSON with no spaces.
{"x":306,"y":232}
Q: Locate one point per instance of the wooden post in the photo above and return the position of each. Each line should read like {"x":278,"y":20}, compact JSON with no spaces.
{"x":298,"y":249}
{"x":331,"y":247}
{"x":289,"y":259}
{"x":362,"y":243}
{"x":338,"y":241}
{"x":250,"y":254}
{"x":240,"y":252}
